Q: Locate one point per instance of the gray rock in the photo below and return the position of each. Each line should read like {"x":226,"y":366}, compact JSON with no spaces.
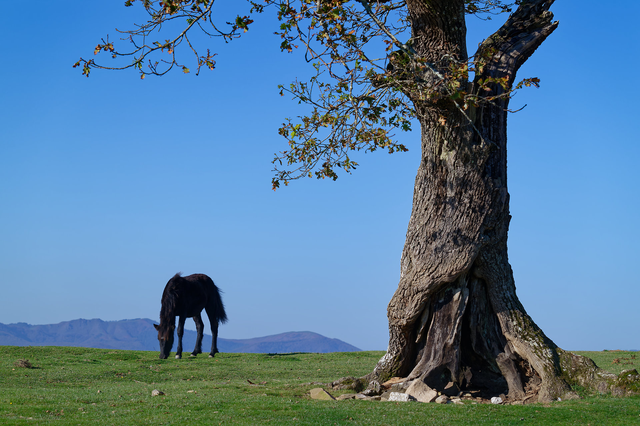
{"x":373,"y":389}
{"x":363,"y":397}
{"x":496,"y":400}
{"x":421,"y":392}
{"x":319,"y":393}
{"x":442,"y":399}
{"x":392,"y":381}
{"x":457,"y":401}
{"x":399,"y":387}
{"x":346,"y":396}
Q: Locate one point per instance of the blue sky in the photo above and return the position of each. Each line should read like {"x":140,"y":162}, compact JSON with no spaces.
{"x":110,"y":185}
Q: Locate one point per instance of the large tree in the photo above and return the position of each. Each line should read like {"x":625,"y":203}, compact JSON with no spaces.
{"x":455,"y":321}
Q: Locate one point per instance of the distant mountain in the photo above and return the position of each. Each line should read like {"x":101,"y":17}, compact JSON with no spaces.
{"x":139,"y":334}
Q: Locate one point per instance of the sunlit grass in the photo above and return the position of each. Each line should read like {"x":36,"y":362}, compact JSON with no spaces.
{"x":94,"y":386}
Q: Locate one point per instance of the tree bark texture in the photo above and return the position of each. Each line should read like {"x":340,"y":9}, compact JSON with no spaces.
{"x":455,"y":321}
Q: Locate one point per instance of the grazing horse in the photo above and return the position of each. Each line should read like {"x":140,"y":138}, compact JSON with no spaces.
{"x":187,"y":297}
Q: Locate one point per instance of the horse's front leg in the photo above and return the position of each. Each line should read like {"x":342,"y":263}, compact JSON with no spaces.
{"x":200,"y":329}
{"x":180,"y":334}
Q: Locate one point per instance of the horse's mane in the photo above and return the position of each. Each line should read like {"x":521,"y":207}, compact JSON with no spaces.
{"x":170,"y":298}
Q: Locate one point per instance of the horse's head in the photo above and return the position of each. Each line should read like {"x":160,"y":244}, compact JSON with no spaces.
{"x":165,"y":337}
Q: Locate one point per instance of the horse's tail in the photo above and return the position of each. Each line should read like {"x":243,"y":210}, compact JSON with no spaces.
{"x":218,"y":306}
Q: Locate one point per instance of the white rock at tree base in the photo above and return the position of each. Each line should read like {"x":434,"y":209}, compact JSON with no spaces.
{"x":496,"y":400}
{"x":400,"y":397}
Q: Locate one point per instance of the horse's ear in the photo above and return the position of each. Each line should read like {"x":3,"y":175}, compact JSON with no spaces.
{"x":156,"y":326}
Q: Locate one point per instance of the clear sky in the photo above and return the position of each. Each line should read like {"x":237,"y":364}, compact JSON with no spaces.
{"x":110,"y":185}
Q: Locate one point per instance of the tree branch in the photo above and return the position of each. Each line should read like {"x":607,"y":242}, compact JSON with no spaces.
{"x":509,"y":47}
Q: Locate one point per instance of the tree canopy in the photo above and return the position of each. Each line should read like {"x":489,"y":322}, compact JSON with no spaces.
{"x":367,"y":74}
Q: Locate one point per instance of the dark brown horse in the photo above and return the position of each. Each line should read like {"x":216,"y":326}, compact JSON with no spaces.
{"x":187,"y":297}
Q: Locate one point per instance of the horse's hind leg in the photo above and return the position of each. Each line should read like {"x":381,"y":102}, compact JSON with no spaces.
{"x":214,"y":332}
{"x":180,"y":334}
{"x":200,"y":329}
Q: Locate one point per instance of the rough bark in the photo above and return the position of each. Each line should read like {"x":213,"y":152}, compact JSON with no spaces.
{"x":455,"y":321}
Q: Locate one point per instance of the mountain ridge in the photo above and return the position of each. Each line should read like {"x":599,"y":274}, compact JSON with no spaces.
{"x":139,"y":334}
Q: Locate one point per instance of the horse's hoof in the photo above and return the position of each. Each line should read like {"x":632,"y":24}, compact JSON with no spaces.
{"x":178,"y":356}
{"x":211,"y":355}
{"x":193,"y":355}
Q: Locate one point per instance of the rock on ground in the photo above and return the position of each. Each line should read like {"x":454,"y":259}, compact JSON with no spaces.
{"x":400,"y":397}
{"x":421,"y":392}
{"x":442,"y":399}
{"x":319,"y":393}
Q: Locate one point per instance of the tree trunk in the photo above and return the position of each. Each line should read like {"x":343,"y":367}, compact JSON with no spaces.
{"x":455,"y":321}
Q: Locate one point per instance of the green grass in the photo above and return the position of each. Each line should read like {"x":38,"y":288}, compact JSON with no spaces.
{"x":94,"y":386}
{"x":614,"y":361}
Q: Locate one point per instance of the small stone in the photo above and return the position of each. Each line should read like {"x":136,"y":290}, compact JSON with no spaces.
{"x":373,"y":389}
{"x":457,"y":401}
{"x":399,"y":397}
{"x":319,"y":393}
{"x":442,"y":399}
{"x":346,"y":396}
{"x":496,"y":400}
{"x":156,"y":392}
{"x":392,"y":381}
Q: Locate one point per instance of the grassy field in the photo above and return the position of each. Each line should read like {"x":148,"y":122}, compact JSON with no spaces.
{"x":94,"y":386}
